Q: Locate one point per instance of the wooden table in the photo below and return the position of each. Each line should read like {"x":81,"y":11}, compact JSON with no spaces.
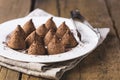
{"x":103,"y":63}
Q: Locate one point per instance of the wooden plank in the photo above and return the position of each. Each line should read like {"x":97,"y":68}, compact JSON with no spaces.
{"x":114,"y":9}
{"x":29,"y":77}
{"x":47,"y":5}
{"x":73,"y":72}
{"x":10,"y":10}
{"x":33,"y":78}
{"x":24,"y":77}
{"x":0,"y":68}
{"x":103,"y":63}
{"x":3,"y":73}
{"x":13,"y":9}
{"x":12,"y":75}
{"x":87,"y":9}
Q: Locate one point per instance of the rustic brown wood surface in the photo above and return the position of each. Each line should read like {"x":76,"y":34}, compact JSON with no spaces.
{"x":13,"y":9}
{"x":103,"y":63}
{"x":10,"y":10}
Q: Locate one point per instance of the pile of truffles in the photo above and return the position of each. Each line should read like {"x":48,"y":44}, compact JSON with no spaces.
{"x":47,"y":39}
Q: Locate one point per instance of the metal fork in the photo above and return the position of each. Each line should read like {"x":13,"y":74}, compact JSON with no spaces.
{"x":75,"y":14}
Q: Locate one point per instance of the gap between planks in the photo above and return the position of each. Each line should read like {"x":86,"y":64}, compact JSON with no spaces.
{"x":113,"y":21}
{"x":32,"y":5}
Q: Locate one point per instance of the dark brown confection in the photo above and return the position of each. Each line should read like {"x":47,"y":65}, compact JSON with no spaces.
{"x":55,"y":47}
{"x":28,"y":27}
{"x":20,"y":30}
{"x":68,"y":40}
{"x":50,"y":24}
{"x":62,"y":30}
{"x":49,"y":36}
{"x":41,"y":30}
{"x":16,"y":40}
{"x":32,"y":37}
{"x":37,"y":48}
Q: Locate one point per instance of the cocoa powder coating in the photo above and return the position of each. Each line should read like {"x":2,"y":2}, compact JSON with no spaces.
{"x":28,"y":27}
{"x":50,"y":24}
{"x":16,"y":40}
{"x":55,"y":47}
{"x":37,"y":48}
{"x":62,"y":30}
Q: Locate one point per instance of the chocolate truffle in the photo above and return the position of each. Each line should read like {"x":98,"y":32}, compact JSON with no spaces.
{"x":37,"y":48}
{"x":28,"y":27}
{"x":20,"y":30}
{"x":16,"y":40}
{"x":50,"y":24}
{"x":32,"y":37}
{"x":55,"y":47}
{"x":68,"y":40}
{"x":49,"y":36}
{"x":62,"y":30}
{"x":41,"y":30}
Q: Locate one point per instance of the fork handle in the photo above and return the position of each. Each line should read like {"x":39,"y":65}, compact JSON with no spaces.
{"x":75,"y":14}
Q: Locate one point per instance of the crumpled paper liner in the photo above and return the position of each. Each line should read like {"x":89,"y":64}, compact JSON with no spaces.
{"x":51,"y":70}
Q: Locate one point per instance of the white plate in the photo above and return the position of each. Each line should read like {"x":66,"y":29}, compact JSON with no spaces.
{"x":89,"y":39}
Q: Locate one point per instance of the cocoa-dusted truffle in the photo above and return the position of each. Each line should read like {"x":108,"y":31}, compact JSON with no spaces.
{"x":50,"y":24}
{"x":62,"y":30}
{"x":16,"y":40}
{"x":28,"y":27}
{"x":49,"y":36}
{"x":55,"y":47}
{"x":68,"y":40}
{"x":32,"y":37}
{"x":37,"y":48}
{"x":41,"y":30}
{"x":20,"y":30}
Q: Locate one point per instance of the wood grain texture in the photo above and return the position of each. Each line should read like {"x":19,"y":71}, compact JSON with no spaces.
{"x":33,"y":78}
{"x":3,"y":73}
{"x":114,"y":11}
{"x":0,"y":68}
{"x":103,"y":63}
{"x":24,"y":77}
{"x":10,"y":10}
{"x":48,"y":5}
{"x":12,"y":75}
{"x":95,"y":11}
{"x":29,"y":77}
{"x":73,"y":74}
{"x":13,"y":9}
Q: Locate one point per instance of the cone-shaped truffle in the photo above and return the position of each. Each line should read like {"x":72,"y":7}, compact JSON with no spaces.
{"x":62,"y":30}
{"x":16,"y":40}
{"x":32,"y":37}
{"x":68,"y":40}
{"x":49,"y":36}
{"x":28,"y":27}
{"x":37,"y":48}
{"x":50,"y":24}
{"x":55,"y":47}
{"x":41,"y":30}
{"x":20,"y":30}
